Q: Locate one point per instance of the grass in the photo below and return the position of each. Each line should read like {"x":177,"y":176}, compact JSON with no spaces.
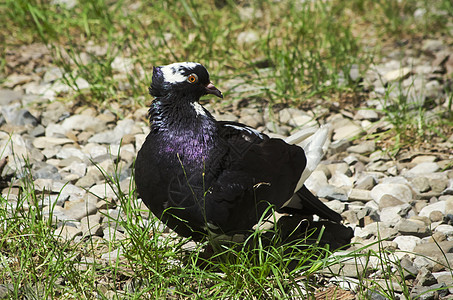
{"x":296,"y":52}
{"x":39,"y":263}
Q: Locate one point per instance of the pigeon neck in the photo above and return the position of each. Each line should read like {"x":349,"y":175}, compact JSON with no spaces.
{"x":186,"y":127}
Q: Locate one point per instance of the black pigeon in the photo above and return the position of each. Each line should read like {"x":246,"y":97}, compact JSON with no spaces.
{"x":199,"y":175}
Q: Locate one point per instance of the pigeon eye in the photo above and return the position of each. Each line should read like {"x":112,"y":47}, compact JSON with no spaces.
{"x":192,"y":78}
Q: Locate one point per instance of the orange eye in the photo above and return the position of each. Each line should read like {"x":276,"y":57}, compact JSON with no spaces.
{"x":192,"y":78}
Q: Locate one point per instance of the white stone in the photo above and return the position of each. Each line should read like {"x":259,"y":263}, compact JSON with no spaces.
{"x":83,"y":122}
{"x":49,"y":142}
{"x":407,"y":242}
{"x":122,"y":64}
{"x":67,"y":152}
{"x":445,"y":229}
{"x":426,"y":211}
{"x":396,"y":75}
{"x":347,"y":131}
{"x":341,"y":180}
{"x":103,"y":191}
{"x":422,"y":168}
{"x":399,"y":191}
{"x":390,"y":214}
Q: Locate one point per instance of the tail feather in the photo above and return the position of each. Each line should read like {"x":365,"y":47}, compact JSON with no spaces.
{"x":314,"y":146}
{"x":305,"y":203}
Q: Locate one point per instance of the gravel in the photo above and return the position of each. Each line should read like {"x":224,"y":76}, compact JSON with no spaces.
{"x":406,"y":200}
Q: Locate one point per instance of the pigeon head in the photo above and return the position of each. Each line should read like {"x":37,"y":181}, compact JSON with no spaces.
{"x":186,"y":79}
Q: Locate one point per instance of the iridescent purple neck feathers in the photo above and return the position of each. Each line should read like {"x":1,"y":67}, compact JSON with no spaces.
{"x":184,"y":128}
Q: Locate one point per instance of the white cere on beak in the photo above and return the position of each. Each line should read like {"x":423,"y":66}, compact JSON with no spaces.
{"x":173,"y":73}
{"x":198,"y":109}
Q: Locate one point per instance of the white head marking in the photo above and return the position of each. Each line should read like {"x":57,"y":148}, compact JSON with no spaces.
{"x":172,"y":73}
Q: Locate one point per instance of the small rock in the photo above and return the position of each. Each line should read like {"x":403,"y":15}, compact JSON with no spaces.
{"x":49,"y":142}
{"x":333,"y":193}
{"x":410,"y":271}
{"x":253,"y":121}
{"x":366,"y":183}
{"x":122,"y":64}
{"x":245,"y":38}
{"x":76,"y":210}
{"x":423,"y":158}
{"x":43,"y":170}
{"x":360,"y":195}
{"x":339,"y":146}
{"x":111,"y":234}
{"x":432,"y":249}
{"x":428,"y":292}
{"x":407,"y":242}
{"x":347,"y":131}
{"x":391,"y":214}
{"x":113,"y":136}
{"x":380,"y":230}
{"x":421,"y":184}
{"x":83,"y":123}
{"x":69,"y":152}
{"x":422,"y":168}
{"x":445,"y":278}
{"x":396,"y":75}
{"x":103,"y":191}
{"x":445,"y":229}
{"x":438,"y":185}
{"x":437,"y":237}
{"x":432,"y":45}
{"x":68,"y":4}
{"x":412,"y":227}
{"x":422,"y":262}
{"x":52,"y":74}
{"x":425,"y":277}
{"x":8,"y":96}
{"x":67,"y":232}
{"x":389,"y":201}
{"x":336,"y":206}
{"x":364,"y":147}
{"x":340,"y":180}
{"x":379,"y":155}
{"x":19,"y":117}
{"x":90,"y":225}
{"x":350,"y":216}
{"x":113,"y":255}
{"x":400,"y":191}
{"x":316,"y":181}
{"x":438,"y":206}
{"x":366,"y":114}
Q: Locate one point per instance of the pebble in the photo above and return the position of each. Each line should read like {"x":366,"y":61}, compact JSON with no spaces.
{"x":360,"y":195}
{"x":411,"y":196}
{"x":438,"y":206}
{"x":366,"y":182}
{"x":76,"y":210}
{"x":445,"y":229}
{"x":399,"y":191}
{"x":347,"y":131}
{"x":422,"y":168}
{"x":67,"y":232}
{"x":364,"y":147}
{"x":412,"y":227}
{"x":433,"y":249}
{"x":407,"y":242}
{"x":7,"y":96}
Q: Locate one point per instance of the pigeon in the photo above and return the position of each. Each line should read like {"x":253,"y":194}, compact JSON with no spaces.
{"x":201,"y":176}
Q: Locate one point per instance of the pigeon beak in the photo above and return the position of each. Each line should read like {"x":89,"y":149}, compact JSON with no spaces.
{"x":211,"y":89}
